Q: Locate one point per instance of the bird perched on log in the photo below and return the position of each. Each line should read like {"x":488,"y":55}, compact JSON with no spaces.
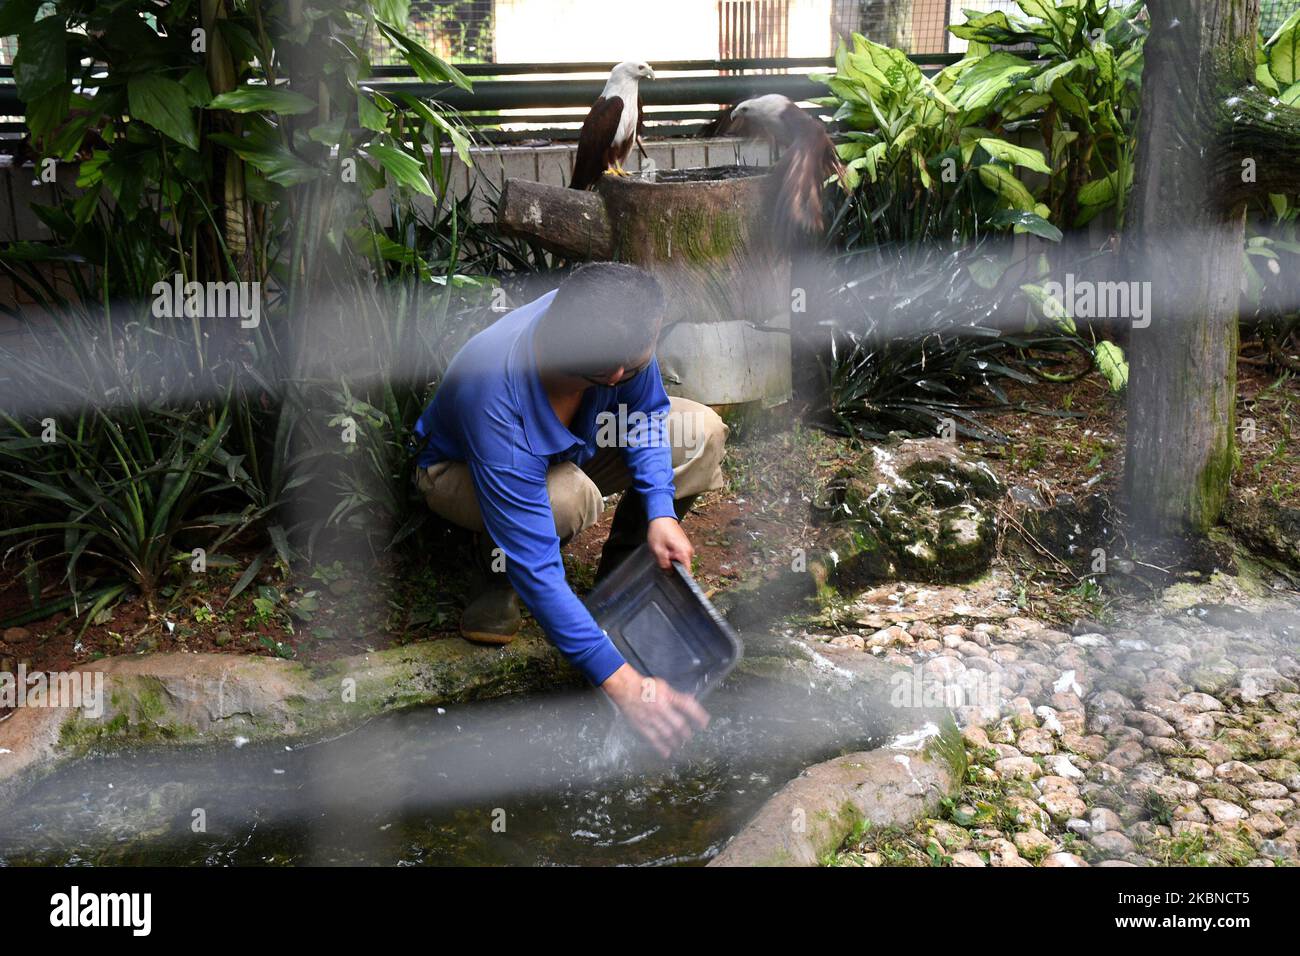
{"x":612,"y":126}
{"x":808,"y":160}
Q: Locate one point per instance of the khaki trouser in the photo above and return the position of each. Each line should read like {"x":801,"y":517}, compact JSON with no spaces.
{"x":697,"y":436}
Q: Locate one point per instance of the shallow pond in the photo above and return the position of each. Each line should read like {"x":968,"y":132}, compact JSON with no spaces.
{"x":539,"y":780}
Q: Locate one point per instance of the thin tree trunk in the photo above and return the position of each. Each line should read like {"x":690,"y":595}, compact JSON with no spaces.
{"x":1188,"y":245}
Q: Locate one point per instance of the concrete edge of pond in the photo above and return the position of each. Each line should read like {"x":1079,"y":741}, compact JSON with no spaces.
{"x":196,"y":699}
{"x":812,"y":815}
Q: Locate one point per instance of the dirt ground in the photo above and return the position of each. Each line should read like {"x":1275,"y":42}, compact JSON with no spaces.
{"x":1071,"y":442}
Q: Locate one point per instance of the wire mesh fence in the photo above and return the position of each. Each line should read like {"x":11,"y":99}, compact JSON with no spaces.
{"x":460,"y":31}
{"x":464,"y":31}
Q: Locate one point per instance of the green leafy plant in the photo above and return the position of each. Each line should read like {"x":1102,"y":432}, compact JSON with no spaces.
{"x":919,"y":345}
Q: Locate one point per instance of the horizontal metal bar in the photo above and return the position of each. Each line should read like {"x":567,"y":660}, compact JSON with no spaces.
{"x":519,"y":94}
{"x":604,"y":66}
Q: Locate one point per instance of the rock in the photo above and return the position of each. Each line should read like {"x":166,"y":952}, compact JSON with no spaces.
{"x":1236,"y":772}
{"x":1017,"y":768}
{"x":1191,"y":812}
{"x":1213,"y":680}
{"x":1273,"y":806}
{"x":1125,"y":755}
{"x":1064,"y":859}
{"x":949,"y":835}
{"x":1060,"y":806}
{"x":1222,"y":811}
{"x":1027,"y":813}
{"x":976,"y":737}
{"x":1112,"y":843}
{"x":1035,"y":742}
{"x":1033,"y":843}
{"x":883,"y":787}
{"x":1166,"y":746}
{"x":1266,"y":824}
{"x":1102,"y":820}
{"x":1061,"y":765}
{"x":848,"y":640}
{"x":1053,"y":783}
{"x":919,"y":508}
{"x":967,"y":858}
{"x":1279,"y":850}
{"x":1277,"y":770}
{"x":1003,"y":852}
{"x":1149,"y":724}
{"x":1258,"y":682}
{"x":1092,"y":747}
{"x":1201,"y":703}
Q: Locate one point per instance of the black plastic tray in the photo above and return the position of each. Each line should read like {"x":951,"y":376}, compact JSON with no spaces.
{"x":664,"y":625}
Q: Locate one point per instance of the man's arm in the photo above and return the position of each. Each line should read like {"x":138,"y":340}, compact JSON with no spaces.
{"x":650,"y":460}
{"x":517,"y":514}
{"x":648,"y":455}
{"x":516,"y":511}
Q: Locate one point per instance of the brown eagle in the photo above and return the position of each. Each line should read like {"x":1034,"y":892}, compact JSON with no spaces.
{"x":808,"y":159}
{"x":612,"y":126}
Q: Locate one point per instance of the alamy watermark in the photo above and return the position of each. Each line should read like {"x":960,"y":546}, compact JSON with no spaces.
{"x":216,"y":300}
{"x":924,"y":687}
{"x":622,"y":428}
{"x":82,"y":690}
{"x":1085,"y":299}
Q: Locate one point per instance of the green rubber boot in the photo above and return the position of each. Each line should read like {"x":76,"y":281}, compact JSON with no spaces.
{"x":492,"y":615}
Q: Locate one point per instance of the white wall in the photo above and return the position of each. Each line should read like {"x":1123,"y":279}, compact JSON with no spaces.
{"x":554,"y":31}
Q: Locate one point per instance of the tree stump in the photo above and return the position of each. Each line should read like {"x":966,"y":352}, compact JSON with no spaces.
{"x":726,"y":336}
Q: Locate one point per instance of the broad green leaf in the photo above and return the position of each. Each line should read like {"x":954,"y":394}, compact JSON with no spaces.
{"x":1292,"y":95}
{"x":404,"y":168}
{"x":165,"y":105}
{"x":1007,"y":152}
{"x":1284,"y":52}
{"x":1110,"y":361}
{"x":1044,"y":10}
{"x":17,"y":15}
{"x":1102,"y":192}
{"x":428,"y":67}
{"x":1052,"y":307}
{"x":278,"y":164}
{"x":1286,"y":26}
{"x":1023,"y":105}
{"x":196,"y":86}
{"x":987,"y":79}
{"x":393,"y":11}
{"x":1009,"y":189}
{"x":990,"y":27}
{"x":1265,"y":79}
{"x":40,"y":64}
{"x":369,"y":115}
{"x":459,"y":141}
{"x":255,"y":99}
{"x":1043,"y":81}
{"x":1031,"y":222}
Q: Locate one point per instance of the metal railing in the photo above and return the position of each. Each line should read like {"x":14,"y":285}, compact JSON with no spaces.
{"x":684,"y":101}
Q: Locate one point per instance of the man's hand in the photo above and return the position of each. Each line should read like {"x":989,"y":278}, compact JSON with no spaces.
{"x":658,"y":713}
{"x":668,"y":543}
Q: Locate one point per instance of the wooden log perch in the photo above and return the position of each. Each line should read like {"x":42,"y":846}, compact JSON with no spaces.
{"x":569,"y":222}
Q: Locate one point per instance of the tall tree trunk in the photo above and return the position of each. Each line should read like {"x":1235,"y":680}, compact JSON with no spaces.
{"x":1186,"y":233}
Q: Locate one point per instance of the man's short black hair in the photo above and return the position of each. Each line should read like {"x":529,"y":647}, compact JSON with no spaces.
{"x":605,"y":315}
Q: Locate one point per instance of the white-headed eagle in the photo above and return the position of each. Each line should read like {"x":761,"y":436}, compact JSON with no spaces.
{"x":612,"y":126}
{"x":808,"y":159}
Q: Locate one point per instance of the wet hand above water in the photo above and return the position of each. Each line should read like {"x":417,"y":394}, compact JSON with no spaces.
{"x":666,"y":718}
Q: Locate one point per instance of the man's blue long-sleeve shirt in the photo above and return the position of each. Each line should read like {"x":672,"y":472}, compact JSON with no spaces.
{"x":492,"y":413}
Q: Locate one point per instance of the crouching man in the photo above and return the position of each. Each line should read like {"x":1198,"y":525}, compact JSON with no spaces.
{"x":539,"y":416}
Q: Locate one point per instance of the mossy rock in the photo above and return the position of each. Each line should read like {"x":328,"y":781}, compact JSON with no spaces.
{"x":917,"y":509}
